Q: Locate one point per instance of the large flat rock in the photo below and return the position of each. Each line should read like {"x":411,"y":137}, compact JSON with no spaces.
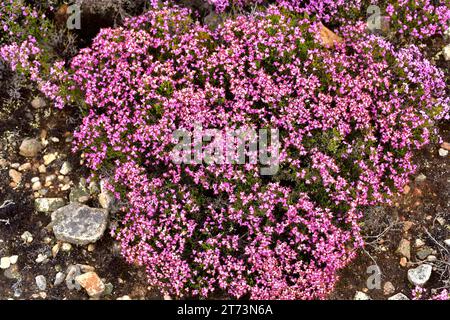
{"x":79,"y":224}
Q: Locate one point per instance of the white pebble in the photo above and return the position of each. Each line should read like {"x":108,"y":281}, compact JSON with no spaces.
{"x":443,"y":152}
{"x":13,"y":259}
{"x":5,"y":263}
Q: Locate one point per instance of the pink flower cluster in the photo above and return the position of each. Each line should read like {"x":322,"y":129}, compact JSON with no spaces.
{"x":349,"y":121}
{"x":408,"y":19}
{"x":419,"y":293}
{"x":19,"y":21}
{"x":27,"y":58}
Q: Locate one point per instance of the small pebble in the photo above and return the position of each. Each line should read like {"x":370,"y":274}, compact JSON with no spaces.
{"x":421,"y":178}
{"x":65,"y":187}
{"x":441,"y":221}
{"x":388,"y":288}
{"x":419,"y":243}
{"x":13,"y":259}
{"x":15,"y":176}
{"x":361,"y":296}
{"x":66,"y":247}
{"x":403,"y":262}
{"x":59,"y":278}
{"x":399,"y":296}
{"x":27,"y":237}
{"x":419,"y":276}
{"x":38,"y":103}
{"x":25,"y":167}
{"x":66,"y":168}
{"x":37,"y":186}
{"x":5,"y":263}
{"x":55,"y":249}
{"x":49,"y":158}
{"x":41,"y":282}
{"x":41,"y":258}
{"x":35,"y":179}
{"x":446,"y":145}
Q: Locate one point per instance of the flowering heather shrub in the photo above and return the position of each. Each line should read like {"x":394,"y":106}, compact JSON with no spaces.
{"x":409,"y":19}
{"x":29,"y":59}
{"x":24,"y":37}
{"x":19,"y":21}
{"x":349,"y":121}
{"x":419,"y":293}
{"x":412,"y":19}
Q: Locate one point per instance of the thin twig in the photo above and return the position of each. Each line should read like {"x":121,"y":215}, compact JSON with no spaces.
{"x":6,"y":204}
{"x":437,"y":242}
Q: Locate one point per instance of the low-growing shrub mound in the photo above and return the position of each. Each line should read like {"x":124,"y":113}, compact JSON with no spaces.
{"x":407,"y":20}
{"x":348,"y":119}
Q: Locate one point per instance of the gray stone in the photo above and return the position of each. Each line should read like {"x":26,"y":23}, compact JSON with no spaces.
{"x":420,"y":275}
{"x":106,"y":198}
{"x":398,"y":296}
{"x":30,"y":148}
{"x":422,"y":254}
{"x":443,"y":152}
{"x":73,"y":272}
{"x":447,"y":242}
{"x":79,"y":224}
{"x":48,"y":204}
{"x":361,"y":296}
{"x":17,"y":287}
{"x":41,"y":282}
{"x":59,"y":278}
